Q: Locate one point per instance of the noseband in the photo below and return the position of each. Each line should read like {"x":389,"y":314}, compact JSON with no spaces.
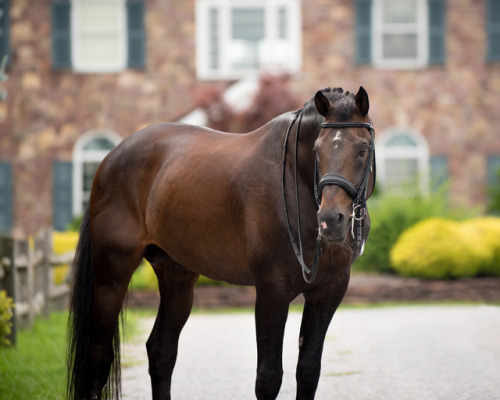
{"x":358,"y":193}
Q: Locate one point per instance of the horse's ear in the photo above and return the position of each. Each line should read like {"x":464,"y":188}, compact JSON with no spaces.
{"x":362,"y":102}
{"x":323,"y":105}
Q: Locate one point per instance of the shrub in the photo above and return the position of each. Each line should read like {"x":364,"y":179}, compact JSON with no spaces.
{"x":6,"y":305}
{"x":441,"y":248}
{"x":391,"y":215}
{"x":62,"y":242}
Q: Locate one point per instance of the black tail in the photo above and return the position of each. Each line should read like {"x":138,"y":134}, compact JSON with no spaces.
{"x":80,"y":331}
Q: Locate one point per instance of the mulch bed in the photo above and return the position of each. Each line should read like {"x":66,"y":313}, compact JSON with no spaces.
{"x":363,"y":289}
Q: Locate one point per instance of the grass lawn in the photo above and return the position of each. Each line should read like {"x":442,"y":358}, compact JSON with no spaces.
{"x":35,"y":368}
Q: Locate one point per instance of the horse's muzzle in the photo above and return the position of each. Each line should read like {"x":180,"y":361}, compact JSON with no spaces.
{"x":333,"y":225}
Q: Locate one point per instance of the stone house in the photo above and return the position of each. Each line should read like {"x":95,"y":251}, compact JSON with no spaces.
{"x":83,"y":74}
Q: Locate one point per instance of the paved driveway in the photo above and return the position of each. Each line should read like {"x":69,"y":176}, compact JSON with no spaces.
{"x":416,"y":352}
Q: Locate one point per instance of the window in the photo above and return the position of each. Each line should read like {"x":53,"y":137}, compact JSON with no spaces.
{"x":89,"y":151}
{"x":403,"y":160}
{"x":235,"y":38}
{"x":98,"y":35}
{"x":400,"y":34}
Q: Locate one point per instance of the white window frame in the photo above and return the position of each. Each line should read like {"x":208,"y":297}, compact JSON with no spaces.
{"x":81,"y":156}
{"x":291,"y":64}
{"x":421,"y":28}
{"x":81,"y":66}
{"x":420,"y":153}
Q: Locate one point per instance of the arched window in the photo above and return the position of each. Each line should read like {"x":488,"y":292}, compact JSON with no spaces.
{"x":403,"y":160}
{"x":88,"y":152}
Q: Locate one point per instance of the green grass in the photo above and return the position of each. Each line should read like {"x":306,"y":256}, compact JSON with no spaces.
{"x":35,"y":368}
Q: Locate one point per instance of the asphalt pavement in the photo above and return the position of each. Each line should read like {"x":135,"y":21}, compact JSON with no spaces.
{"x":394,"y":353}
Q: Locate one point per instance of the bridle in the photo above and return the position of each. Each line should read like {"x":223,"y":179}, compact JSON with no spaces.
{"x":358,"y":193}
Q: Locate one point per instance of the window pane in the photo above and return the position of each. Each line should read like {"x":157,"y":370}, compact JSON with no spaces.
{"x":399,"y":11}
{"x":89,"y":170}
{"x":282,"y":23}
{"x":248,"y":23}
{"x":401,"y":173}
{"x":98,"y":15}
{"x":99,"y":49}
{"x":399,"y":46}
{"x":99,"y":144}
{"x":401,"y":141}
{"x":214,"y":38}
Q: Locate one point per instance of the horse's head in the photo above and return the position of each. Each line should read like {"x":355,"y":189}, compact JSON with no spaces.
{"x":345,"y":157}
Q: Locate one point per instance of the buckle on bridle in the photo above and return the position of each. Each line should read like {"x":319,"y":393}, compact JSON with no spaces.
{"x":358,"y":214}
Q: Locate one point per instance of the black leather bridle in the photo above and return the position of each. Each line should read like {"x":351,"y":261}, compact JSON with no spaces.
{"x":358,"y":193}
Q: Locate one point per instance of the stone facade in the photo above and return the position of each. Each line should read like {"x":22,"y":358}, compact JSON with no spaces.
{"x":454,"y":106}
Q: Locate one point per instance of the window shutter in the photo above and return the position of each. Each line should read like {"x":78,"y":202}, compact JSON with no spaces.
{"x":493,"y":30}
{"x":363,"y":31}
{"x":437,"y":34}
{"x":4,"y":31}
{"x":61,"y":34}
{"x":5,"y":197}
{"x":439,"y":171}
{"x":62,"y":192}
{"x":136,"y":34}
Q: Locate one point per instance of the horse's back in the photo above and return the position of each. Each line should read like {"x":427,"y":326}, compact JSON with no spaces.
{"x":181,"y":188}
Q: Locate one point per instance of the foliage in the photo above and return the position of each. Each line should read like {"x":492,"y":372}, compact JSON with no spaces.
{"x":63,"y":242}
{"x":75,"y":223}
{"x":494,"y":196}
{"x":145,"y":279}
{"x":272,"y":99}
{"x":442,"y":248}
{"x":6,"y":305}
{"x":391,"y":214}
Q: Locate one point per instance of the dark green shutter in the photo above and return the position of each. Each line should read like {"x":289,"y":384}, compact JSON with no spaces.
{"x":62,"y":192}
{"x":5,"y":197}
{"x":493,"y":29}
{"x":439,"y":171}
{"x":4,"y":31}
{"x":136,"y":34}
{"x":437,"y":31}
{"x":493,"y":170}
{"x":363,"y":31}
{"x":61,"y":34}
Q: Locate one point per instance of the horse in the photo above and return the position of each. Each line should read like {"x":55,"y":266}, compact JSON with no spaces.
{"x":194,"y":201}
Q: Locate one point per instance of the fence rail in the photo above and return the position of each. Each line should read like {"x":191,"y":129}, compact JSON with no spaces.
{"x":26,"y":274}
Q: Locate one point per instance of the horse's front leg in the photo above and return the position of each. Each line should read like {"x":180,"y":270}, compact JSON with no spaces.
{"x":318,"y":312}
{"x":271,"y":311}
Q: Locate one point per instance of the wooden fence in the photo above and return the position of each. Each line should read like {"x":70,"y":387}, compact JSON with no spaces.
{"x":26,"y":274}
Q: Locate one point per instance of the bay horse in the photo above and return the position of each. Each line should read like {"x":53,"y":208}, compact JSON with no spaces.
{"x":194,"y":201}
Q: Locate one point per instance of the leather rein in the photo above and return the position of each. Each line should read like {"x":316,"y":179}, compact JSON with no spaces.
{"x":358,"y":193}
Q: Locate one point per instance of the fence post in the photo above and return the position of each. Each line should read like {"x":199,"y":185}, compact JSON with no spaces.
{"x":46,"y":243}
{"x":8,"y":283}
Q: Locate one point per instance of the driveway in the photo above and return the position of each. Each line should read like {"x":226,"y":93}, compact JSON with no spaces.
{"x":411,"y":352}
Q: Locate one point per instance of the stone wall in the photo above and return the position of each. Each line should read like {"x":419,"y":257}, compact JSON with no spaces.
{"x":454,"y":106}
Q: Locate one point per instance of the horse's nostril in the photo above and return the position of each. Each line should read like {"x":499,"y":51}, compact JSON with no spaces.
{"x":340,"y":219}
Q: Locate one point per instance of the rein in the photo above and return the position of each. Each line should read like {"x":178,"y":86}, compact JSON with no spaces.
{"x":358,"y":194}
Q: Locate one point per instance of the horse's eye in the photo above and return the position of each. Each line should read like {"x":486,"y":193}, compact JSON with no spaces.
{"x":363,"y":150}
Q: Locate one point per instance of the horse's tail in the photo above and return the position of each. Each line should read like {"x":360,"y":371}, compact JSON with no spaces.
{"x":80,"y":373}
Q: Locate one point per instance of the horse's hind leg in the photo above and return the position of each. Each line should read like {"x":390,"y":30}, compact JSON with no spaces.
{"x":113,"y":271}
{"x":176,"y":290}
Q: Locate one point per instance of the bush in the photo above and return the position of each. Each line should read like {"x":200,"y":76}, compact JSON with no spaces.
{"x":62,"y":242}
{"x":391,"y":215}
{"x":440,"y":248}
{"x":6,"y":305}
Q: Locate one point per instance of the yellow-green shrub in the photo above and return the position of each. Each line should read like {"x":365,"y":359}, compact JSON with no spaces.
{"x":6,"y":305}
{"x":63,"y":242}
{"x":440,"y":248}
